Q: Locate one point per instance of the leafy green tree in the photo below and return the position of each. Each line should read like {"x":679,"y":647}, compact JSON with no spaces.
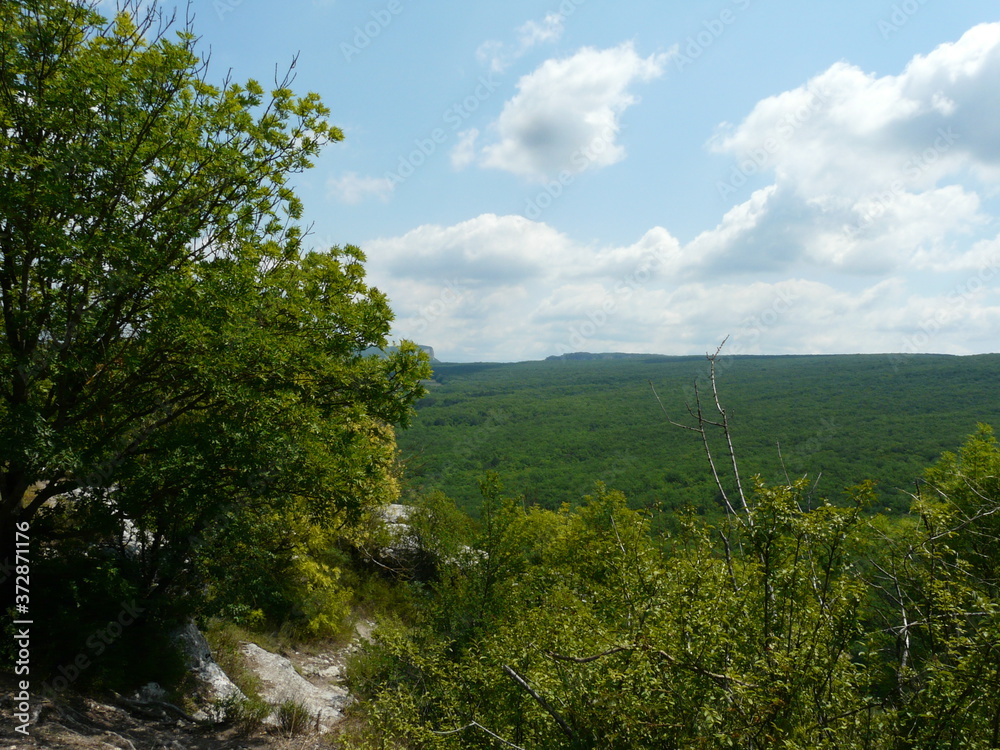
{"x":938,"y":605}
{"x":170,"y":353}
{"x":966,"y":486}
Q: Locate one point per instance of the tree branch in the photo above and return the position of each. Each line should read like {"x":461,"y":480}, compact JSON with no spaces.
{"x":541,"y":701}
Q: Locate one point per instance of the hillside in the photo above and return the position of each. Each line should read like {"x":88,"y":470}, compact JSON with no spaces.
{"x":553,"y":428}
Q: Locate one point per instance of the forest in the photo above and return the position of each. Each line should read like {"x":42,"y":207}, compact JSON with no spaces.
{"x":613,"y":551}
{"x":552,"y":428}
{"x":785,"y":620}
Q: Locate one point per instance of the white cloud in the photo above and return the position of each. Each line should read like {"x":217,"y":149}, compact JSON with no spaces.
{"x":353,"y":188}
{"x":499,"y":56}
{"x":506,"y":288}
{"x":565,"y":116}
{"x":875,"y":234}
{"x":488,"y":251}
{"x":872,"y":175}
{"x":850,"y":133}
{"x":549,"y":29}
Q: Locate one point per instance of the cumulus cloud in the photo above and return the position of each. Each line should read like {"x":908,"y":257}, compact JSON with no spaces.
{"x":352,"y":188}
{"x":566,"y":114}
{"x":507,"y":288}
{"x":488,"y":251}
{"x":872,"y":233}
{"x":873,"y":174}
{"x":853,"y":132}
{"x":499,"y":56}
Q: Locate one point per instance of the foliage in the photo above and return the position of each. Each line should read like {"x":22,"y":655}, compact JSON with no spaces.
{"x":246,"y":715}
{"x":792,"y":623}
{"x":184,"y":389}
{"x":294,"y":718}
{"x":554,"y":427}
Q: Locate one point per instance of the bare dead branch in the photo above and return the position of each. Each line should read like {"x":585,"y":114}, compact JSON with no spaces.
{"x":720,"y":678}
{"x":477,"y":725}
{"x":541,"y":702}
{"x":587,"y":659}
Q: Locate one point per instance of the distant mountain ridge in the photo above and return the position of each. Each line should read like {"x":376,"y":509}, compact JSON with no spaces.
{"x":589,"y":356}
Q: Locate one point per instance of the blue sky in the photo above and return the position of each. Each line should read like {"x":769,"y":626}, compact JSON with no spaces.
{"x":531,"y":178}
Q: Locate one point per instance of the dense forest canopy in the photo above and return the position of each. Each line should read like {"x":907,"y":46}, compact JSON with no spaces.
{"x":553,"y":427}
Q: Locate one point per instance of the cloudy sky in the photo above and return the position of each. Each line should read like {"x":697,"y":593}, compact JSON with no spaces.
{"x":530,"y":178}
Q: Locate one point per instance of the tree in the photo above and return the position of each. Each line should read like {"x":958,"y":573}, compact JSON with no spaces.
{"x":169,"y":351}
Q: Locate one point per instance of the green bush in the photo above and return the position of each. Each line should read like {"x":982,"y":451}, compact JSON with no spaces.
{"x":294,"y":718}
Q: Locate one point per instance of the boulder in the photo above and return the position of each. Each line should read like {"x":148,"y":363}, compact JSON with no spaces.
{"x":215,"y":684}
{"x":280,"y":683}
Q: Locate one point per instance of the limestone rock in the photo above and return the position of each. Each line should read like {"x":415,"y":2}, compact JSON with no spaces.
{"x":198,"y":655}
{"x":282,"y":683}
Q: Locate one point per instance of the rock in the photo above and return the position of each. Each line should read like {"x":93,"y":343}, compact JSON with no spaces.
{"x":198,"y":656}
{"x":282,"y":683}
{"x":402,"y":543}
{"x":151,"y":691}
{"x":396,"y":513}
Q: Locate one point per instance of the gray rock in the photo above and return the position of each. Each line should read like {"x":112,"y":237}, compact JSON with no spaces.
{"x":198,"y":656}
{"x":282,"y":683}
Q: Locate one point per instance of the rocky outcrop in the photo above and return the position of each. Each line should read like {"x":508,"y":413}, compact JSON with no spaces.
{"x":280,"y":682}
{"x":215,"y":684}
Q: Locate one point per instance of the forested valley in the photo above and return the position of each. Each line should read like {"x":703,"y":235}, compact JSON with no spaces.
{"x":554,"y":427}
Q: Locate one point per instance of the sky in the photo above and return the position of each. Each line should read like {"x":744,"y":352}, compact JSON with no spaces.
{"x":534,"y":178}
